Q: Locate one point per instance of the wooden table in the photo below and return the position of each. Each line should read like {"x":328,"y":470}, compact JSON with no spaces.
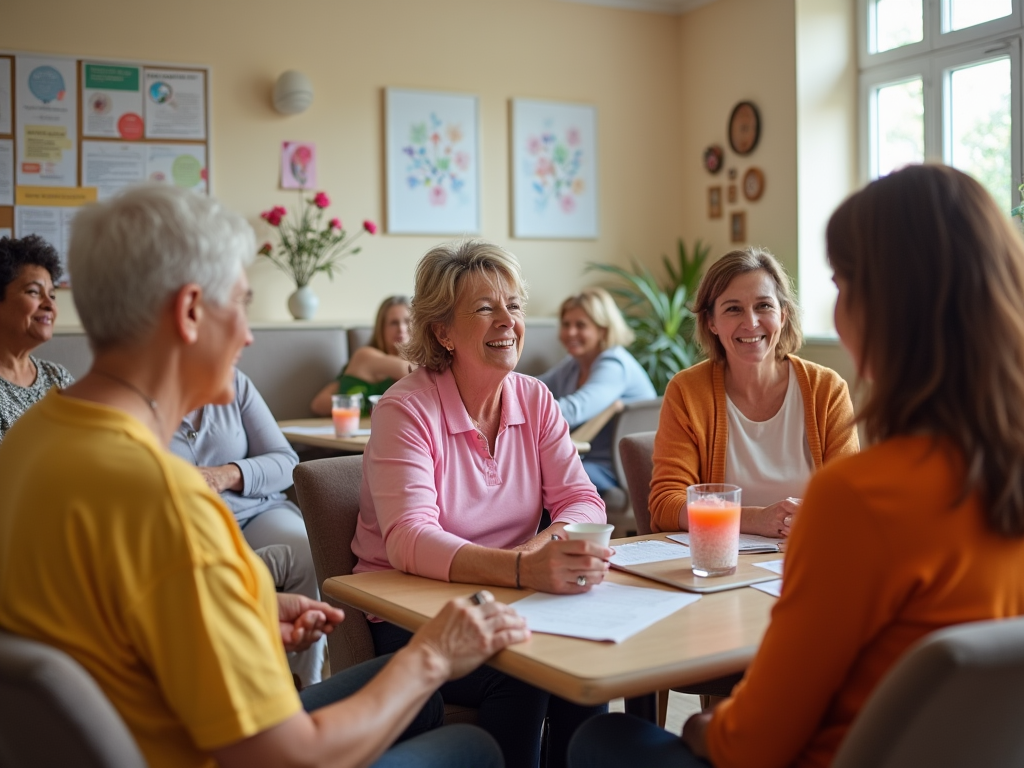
{"x":354,"y":444}
{"x":718,"y":635}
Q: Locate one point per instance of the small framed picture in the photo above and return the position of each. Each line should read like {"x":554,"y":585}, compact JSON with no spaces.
{"x":733,"y":194}
{"x":738,"y":227}
{"x":714,"y":202}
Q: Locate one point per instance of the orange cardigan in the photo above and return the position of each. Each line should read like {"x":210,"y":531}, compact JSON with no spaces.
{"x":883,"y":552}
{"x":690,"y":446}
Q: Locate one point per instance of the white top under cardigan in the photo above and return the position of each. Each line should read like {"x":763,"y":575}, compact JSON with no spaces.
{"x":770,"y":460}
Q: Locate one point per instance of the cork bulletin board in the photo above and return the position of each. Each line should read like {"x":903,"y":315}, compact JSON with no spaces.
{"x":76,"y":129}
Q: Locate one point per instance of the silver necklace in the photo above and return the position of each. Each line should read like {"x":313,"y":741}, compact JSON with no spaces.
{"x":149,"y":401}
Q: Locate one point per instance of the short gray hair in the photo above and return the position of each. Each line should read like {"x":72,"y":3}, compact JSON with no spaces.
{"x":128,"y":255}
{"x":438,"y":277}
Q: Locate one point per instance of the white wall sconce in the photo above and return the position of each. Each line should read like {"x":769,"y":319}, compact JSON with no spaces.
{"x":293,"y":93}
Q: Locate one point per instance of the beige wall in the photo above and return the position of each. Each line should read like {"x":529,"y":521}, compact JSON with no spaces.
{"x":626,"y":63}
{"x":730,"y":51}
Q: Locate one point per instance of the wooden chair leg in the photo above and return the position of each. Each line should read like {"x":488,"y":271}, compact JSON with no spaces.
{"x":663,"y":707}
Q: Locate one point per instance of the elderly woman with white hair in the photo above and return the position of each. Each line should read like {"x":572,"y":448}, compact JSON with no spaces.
{"x":464,"y":458}
{"x":119,"y":554}
{"x":597,"y":371}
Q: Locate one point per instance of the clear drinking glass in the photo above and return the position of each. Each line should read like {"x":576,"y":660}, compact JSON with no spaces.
{"x":713,"y":512}
{"x":345,"y":410}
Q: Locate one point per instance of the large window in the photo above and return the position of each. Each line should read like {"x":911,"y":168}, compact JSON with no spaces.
{"x":941,"y":81}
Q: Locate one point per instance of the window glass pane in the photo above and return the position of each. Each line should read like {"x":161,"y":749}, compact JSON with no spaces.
{"x":899,"y":126}
{"x":979,"y":110}
{"x":896,"y":23}
{"x":967,"y":13}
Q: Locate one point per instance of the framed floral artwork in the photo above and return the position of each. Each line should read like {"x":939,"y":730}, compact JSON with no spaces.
{"x":432,"y":163}
{"x":554,"y":170}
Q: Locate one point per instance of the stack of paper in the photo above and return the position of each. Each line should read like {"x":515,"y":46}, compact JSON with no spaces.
{"x":750,"y":544}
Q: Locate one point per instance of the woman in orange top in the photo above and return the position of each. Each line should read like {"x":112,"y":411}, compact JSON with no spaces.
{"x":754,"y":414}
{"x":922,"y":530}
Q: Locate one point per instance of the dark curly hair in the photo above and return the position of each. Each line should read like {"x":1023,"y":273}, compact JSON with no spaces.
{"x":16,"y":253}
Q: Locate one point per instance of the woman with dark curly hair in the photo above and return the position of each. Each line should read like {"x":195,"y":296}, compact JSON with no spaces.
{"x":29,"y":267}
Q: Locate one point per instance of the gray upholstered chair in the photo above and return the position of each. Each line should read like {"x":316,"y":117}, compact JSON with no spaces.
{"x":955,"y":699}
{"x":638,"y":416}
{"x":328,"y":495}
{"x":636,"y":457}
{"x":53,"y":713}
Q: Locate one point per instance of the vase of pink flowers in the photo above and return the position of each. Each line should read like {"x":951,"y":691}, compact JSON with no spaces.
{"x":308,"y":244}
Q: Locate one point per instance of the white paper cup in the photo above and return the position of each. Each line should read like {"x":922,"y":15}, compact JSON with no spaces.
{"x":599,"y":533}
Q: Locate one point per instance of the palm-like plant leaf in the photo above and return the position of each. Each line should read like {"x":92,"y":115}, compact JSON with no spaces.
{"x":658,"y":312}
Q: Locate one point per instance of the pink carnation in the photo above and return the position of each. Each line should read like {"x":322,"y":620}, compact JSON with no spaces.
{"x":321,"y":200}
{"x":266,"y":249}
{"x":335,"y":223}
{"x":273,"y":216}
{"x":370,"y":227}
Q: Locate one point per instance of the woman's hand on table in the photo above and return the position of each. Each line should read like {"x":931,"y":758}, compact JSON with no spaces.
{"x":226,"y":477}
{"x":775,"y":520}
{"x":464,"y":634}
{"x":564,"y":567}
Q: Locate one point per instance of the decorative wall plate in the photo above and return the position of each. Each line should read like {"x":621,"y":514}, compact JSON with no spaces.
{"x":753,"y":184}
{"x":744,"y":128}
{"x":713,"y":157}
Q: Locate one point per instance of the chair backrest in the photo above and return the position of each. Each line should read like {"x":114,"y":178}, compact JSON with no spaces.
{"x":637,"y":416}
{"x":955,"y":699}
{"x":328,"y":495}
{"x":53,"y":713}
{"x":636,"y":455}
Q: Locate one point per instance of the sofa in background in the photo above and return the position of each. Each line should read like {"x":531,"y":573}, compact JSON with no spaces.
{"x":291,"y":362}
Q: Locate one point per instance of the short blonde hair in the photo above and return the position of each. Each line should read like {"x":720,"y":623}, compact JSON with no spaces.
{"x":439,"y":276}
{"x":717,"y":279}
{"x":603,"y":312}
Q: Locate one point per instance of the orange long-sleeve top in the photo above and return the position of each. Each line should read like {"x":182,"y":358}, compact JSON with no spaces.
{"x":882,"y":553}
{"x":693,"y":431}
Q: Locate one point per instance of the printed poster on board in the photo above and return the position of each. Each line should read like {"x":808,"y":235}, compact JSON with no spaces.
{"x":175,"y":102}
{"x":47,"y":124}
{"x":183,"y":165}
{"x":110,"y":166}
{"x":5,"y":96}
{"x":112,"y":101}
{"x":6,"y":172}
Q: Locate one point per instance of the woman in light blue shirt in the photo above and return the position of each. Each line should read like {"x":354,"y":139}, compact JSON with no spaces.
{"x":597,"y":372}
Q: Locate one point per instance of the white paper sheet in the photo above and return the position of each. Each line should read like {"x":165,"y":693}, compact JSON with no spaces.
{"x":6,"y":232}
{"x":47,"y":112}
{"x":750,"y":544}
{"x":607,"y":612}
{"x":773,"y":588}
{"x":5,"y":95}
{"x":775,"y":566}
{"x":111,"y":166}
{"x":327,"y":431}
{"x":51,"y":224}
{"x":175,"y":104}
{"x":111,"y":100}
{"x":640,"y":552}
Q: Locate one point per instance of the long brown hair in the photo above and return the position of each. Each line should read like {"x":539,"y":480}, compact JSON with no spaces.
{"x":378,"y":342}
{"x":936,"y":281}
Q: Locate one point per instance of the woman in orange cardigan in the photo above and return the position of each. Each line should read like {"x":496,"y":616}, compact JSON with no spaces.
{"x":753,"y":414}
{"x":922,"y":530}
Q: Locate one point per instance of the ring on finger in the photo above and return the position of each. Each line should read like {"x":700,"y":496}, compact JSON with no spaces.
{"x":581,"y":580}
{"x":787,"y":519}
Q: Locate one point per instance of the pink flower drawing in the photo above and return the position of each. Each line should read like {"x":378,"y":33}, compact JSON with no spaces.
{"x":568,"y":203}
{"x":572,"y":137}
{"x":438,"y":196}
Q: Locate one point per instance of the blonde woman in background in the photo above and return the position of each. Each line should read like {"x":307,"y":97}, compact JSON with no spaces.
{"x":378,"y":365}
{"x":597,"y":371}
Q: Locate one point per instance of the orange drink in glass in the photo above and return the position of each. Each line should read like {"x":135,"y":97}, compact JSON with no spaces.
{"x":713,"y":514}
{"x":345,"y":411}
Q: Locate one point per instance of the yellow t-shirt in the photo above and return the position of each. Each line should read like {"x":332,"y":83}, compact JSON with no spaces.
{"x":118,"y":553}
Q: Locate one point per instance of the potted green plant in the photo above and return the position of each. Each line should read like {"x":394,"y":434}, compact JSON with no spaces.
{"x":309,"y":245}
{"x":659,"y":311}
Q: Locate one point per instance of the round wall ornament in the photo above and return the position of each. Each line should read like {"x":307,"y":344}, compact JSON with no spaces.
{"x":713,"y":157}
{"x":744,"y":128}
{"x":753,"y":184}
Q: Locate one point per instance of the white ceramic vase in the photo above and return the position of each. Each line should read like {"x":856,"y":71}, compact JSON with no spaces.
{"x":303,"y":303}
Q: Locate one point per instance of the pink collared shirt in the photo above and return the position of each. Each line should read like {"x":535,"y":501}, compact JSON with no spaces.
{"x":430,"y":486}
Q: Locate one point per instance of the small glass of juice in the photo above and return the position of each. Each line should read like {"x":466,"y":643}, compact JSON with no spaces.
{"x":345,"y":410}
{"x":713,"y":514}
